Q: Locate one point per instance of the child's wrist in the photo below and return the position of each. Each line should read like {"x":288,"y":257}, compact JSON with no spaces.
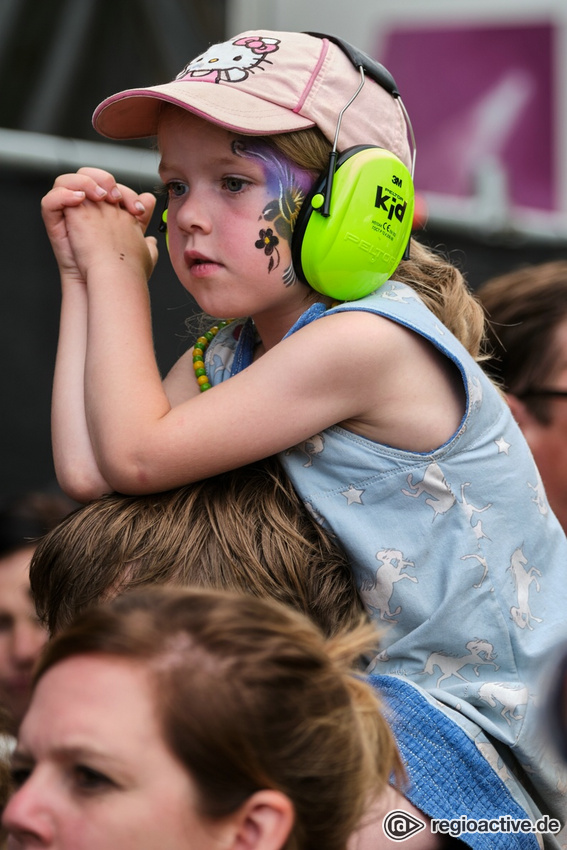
{"x":120,"y":269}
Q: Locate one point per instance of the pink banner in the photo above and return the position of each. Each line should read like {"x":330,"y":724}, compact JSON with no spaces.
{"x":479,"y":93}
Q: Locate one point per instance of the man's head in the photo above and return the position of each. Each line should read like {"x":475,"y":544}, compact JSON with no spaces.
{"x":527,"y":331}
{"x":23,"y":520}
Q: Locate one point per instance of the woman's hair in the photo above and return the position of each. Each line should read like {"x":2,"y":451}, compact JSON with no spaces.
{"x":251,"y":696}
{"x":243,"y":530}
{"x":439,"y":284}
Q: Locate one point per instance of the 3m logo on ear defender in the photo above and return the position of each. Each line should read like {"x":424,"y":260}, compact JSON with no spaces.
{"x":373,"y":251}
{"x":396,"y":208}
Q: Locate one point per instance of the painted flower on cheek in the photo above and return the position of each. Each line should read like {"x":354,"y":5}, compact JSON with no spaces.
{"x":269,"y":242}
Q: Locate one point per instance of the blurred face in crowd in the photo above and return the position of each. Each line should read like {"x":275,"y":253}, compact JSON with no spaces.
{"x":92,"y":770}
{"x":548,"y":440}
{"x":21,"y":634}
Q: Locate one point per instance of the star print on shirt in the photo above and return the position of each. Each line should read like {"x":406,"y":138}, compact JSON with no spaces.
{"x":503,"y":446}
{"x":352,"y":495}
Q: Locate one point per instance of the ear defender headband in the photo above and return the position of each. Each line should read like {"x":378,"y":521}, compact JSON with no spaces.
{"x":355,"y":225}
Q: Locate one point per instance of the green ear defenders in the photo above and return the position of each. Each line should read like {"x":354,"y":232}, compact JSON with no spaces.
{"x":358,"y":246}
{"x":162,"y":227}
{"x":355,"y":225}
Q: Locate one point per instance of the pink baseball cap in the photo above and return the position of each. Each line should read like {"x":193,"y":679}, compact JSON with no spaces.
{"x":263,"y":83}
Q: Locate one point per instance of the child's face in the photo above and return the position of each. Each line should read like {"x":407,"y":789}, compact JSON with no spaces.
{"x":232,"y":206}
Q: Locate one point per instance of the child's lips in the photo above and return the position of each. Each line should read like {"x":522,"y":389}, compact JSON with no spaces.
{"x":199,"y":264}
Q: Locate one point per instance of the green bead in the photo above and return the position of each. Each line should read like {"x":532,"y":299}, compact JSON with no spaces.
{"x":204,"y":387}
{"x":199,"y":372}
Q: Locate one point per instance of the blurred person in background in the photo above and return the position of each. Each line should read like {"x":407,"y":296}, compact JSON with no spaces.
{"x":23,"y":521}
{"x":233,"y":723}
{"x":527,"y":332}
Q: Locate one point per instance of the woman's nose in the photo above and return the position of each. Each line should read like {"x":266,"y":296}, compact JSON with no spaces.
{"x":27,"y":818}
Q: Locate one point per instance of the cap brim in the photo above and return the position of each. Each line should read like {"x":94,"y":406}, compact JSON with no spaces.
{"x":133,"y":114}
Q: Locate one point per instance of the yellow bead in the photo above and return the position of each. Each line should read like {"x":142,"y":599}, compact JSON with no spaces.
{"x":202,"y":380}
{"x":198,"y":364}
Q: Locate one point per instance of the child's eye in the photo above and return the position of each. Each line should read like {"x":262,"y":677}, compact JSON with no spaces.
{"x":175,"y":189}
{"x":87,"y":779}
{"x":234,"y":184}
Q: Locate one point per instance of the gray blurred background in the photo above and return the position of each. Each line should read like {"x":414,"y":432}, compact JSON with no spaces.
{"x":484,"y":82}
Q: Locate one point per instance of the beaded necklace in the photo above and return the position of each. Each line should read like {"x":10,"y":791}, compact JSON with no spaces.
{"x":199,"y":354}
{"x":203,"y":343}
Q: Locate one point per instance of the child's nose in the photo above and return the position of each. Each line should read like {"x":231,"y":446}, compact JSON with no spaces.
{"x":194,"y":214}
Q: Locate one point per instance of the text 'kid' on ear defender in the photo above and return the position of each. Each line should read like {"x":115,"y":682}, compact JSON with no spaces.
{"x":358,"y":246}
{"x":355,"y":225}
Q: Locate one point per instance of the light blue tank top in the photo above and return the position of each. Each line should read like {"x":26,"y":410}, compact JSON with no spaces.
{"x":456,"y":552}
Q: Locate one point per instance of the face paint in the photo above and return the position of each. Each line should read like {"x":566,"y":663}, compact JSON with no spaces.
{"x":289,"y":184}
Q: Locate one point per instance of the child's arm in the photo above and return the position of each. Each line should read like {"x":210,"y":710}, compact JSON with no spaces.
{"x":360,"y":370}
{"x":75,"y":463}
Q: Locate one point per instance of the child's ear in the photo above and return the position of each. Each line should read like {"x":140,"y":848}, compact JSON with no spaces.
{"x":264,"y":822}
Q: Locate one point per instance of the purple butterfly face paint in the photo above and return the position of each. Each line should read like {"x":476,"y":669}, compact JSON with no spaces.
{"x":289,"y":184}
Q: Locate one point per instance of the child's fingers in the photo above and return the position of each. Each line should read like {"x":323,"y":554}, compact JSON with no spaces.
{"x":139,"y":205}
{"x":94,"y":184}
{"x":151,"y":242}
{"x":142,"y":206}
{"x":80,"y":182}
{"x":54,"y":204}
{"x":105,"y":181}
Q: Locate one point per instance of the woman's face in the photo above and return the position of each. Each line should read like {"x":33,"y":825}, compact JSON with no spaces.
{"x":92,"y":769}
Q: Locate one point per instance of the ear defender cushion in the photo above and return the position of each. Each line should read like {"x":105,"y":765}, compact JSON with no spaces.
{"x":163,"y":226}
{"x":358,"y":246}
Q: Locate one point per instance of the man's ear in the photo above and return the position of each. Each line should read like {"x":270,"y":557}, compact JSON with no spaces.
{"x":533,"y":430}
{"x":520,"y":412}
{"x":263,"y":822}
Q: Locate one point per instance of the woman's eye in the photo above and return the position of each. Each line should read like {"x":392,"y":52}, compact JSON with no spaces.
{"x":87,"y":779}
{"x":234,"y":184}
{"x":19,"y":775}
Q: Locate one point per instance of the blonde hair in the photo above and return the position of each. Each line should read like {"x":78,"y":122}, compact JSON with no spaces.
{"x":242,"y":530}
{"x":438,"y":282}
{"x":251,"y":696}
